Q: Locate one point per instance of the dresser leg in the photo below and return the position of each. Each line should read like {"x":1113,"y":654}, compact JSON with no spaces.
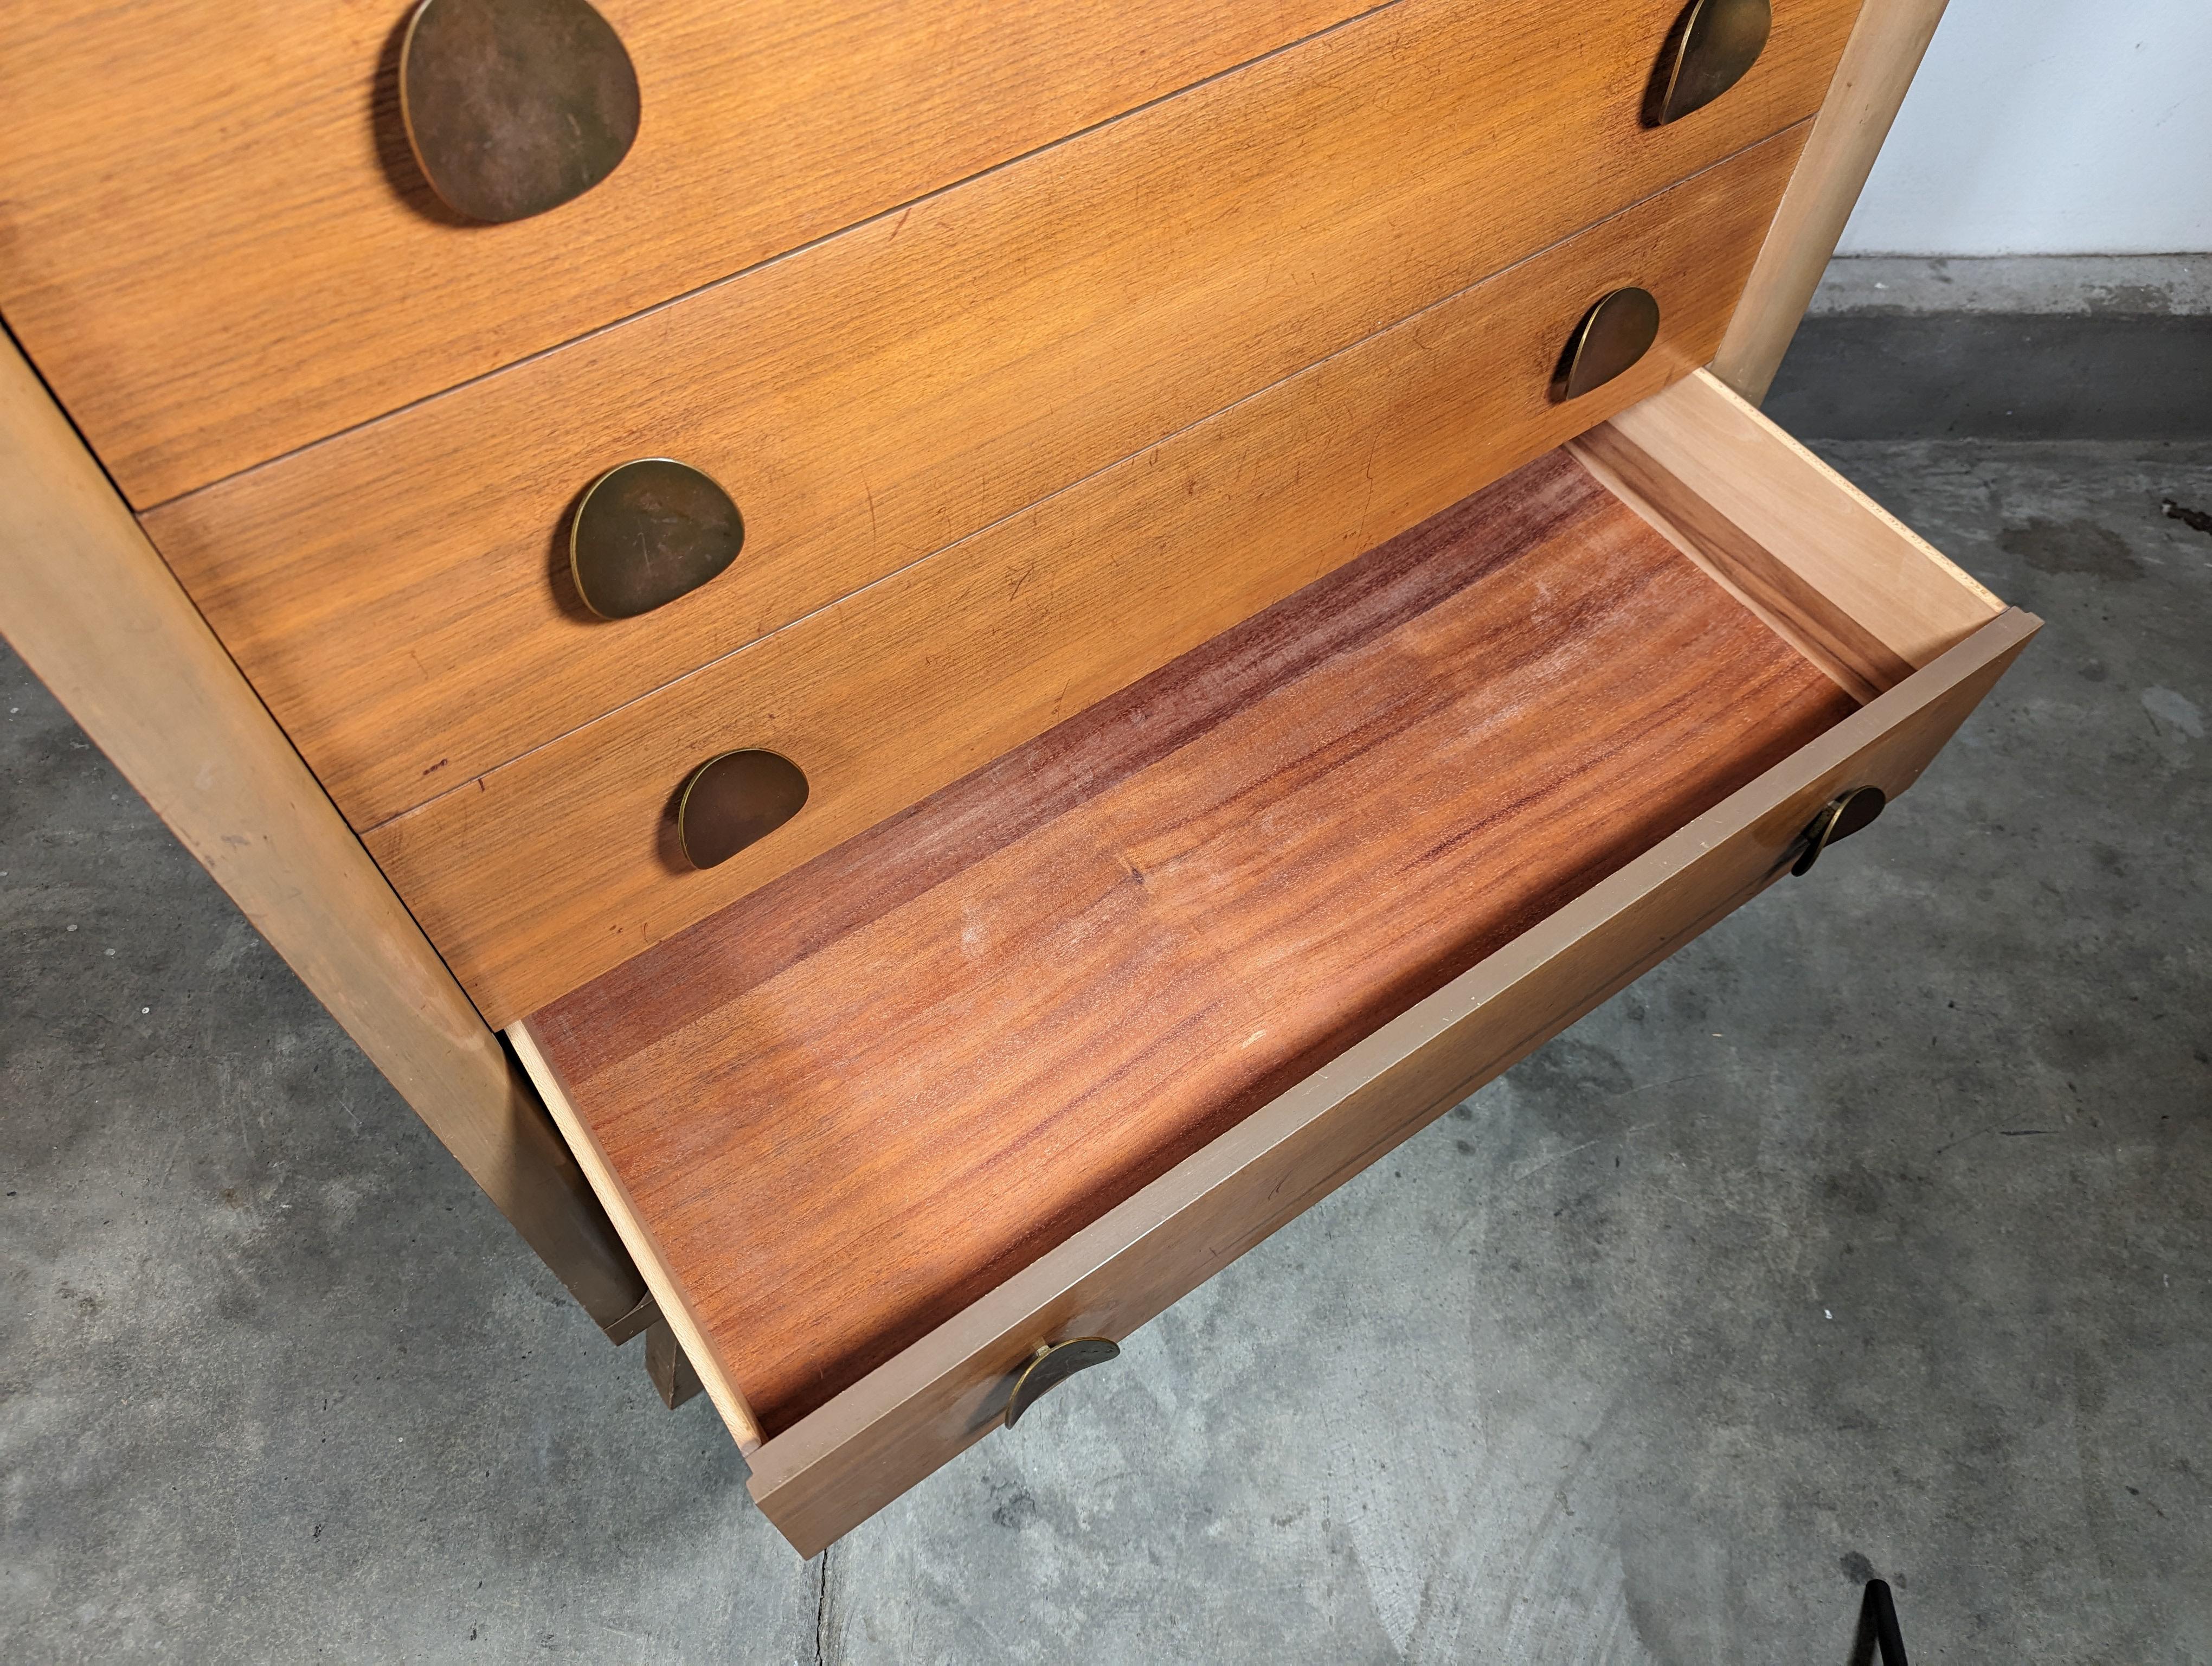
{"x":1886,"y":48}
{"x":668,"y":1365}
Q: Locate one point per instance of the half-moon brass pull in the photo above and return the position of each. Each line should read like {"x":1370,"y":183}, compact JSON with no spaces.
{"x":647,"y":532}
{"x":1052,"y":1365}
{"x":1711,"y":48}
{"x":1612,"y":337}
{"x":1840,"y":818}
{"x":514,"y":106}
{"x":735,"y":799}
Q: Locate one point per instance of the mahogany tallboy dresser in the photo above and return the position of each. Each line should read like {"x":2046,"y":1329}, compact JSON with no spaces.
{"x":916,"y":669}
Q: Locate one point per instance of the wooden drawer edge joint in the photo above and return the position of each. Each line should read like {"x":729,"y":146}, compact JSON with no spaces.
{"x":615,"y":1197}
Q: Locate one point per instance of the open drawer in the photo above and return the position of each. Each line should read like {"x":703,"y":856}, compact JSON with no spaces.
{"x":1030,"y":1060}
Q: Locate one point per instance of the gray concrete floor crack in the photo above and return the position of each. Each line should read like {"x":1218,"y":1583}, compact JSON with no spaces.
{"x":822,"y":1610}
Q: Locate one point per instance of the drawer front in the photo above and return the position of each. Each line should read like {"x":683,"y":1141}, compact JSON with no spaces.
{"x":842,"y":1463}
{"x":399,"y":593}
{"x":219,"y":247}
{"x":549,"y":870}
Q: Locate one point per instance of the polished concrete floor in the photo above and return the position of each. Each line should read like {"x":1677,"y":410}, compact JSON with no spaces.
{"x":1871,"y":1234}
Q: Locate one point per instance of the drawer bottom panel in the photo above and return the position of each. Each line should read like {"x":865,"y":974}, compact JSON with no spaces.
{"x":857,"y":1099}
{"x":1032,"y":1059}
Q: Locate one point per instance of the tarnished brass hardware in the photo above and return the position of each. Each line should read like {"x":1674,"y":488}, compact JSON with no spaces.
{"x":1840,"y":818}
{"x":514,"y":106}
{"x":1052,"y":1365}
{"x":734,"y":800}
{"x":1711,"y":48}
{"x":647,"y":532}
{"x":1612,"y":337}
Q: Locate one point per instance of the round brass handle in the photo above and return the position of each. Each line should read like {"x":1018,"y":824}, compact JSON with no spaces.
{"x":648,"y":532}
{"x":1052,"y":1365}
{"x":514,"y":106}
{"x":734,"y":800}
{"x":1711,"y":48}
{"x":1840,"y":817}
{"x":1613,"y":335}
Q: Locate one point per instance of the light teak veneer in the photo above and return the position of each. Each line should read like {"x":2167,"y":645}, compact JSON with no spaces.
{"x":237,"y":310}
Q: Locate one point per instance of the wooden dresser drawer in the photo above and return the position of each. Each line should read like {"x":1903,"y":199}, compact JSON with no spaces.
{"x":548,"y":871}
{"x":1185,"y":600}
{"x":219,"y":248}
{"x":1027,"y":1063}
{"x":397,"y":593}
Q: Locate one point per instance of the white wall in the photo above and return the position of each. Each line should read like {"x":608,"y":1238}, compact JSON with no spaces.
{"x":2051,"y":127}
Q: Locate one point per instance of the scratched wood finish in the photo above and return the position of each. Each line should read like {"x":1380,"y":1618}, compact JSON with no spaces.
{"x":398,"y":596}
{"x":840,"y":1464}
{"x":215,"y":241}
{"x":855,"y":1101}
{"x":553,"y":868}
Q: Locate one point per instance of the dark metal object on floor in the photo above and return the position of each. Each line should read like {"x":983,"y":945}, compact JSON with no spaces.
{"x":2196,"y":519}
{"x":1878,"y":1628}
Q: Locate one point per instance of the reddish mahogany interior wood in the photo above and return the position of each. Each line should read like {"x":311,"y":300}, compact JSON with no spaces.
{"x":850,"y":1102}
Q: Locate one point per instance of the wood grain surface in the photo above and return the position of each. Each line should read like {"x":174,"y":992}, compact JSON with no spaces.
{"x":671,"y":1304}
{"x":398,"y":594}
{"x":856,"y":1100}
{"x":101,"y":622}
{"x":215,"y":240}
{"x":1824,"y":558}
{"x":551,"y":869}
{"x":840,"y":1464}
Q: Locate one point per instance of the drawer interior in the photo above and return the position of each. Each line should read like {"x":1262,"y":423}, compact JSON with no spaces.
{"x":849,"y":1104}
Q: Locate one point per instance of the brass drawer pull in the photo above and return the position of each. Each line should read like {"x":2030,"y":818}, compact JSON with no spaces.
{"x":1052,"y":1365}
{"x":647,"y":532}
{"x":735,"y":799}
{"x":514,"y":106}
{"x":1841,"y":817}
{"x":1612,"y":337}
{"x":1711,"y":48}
